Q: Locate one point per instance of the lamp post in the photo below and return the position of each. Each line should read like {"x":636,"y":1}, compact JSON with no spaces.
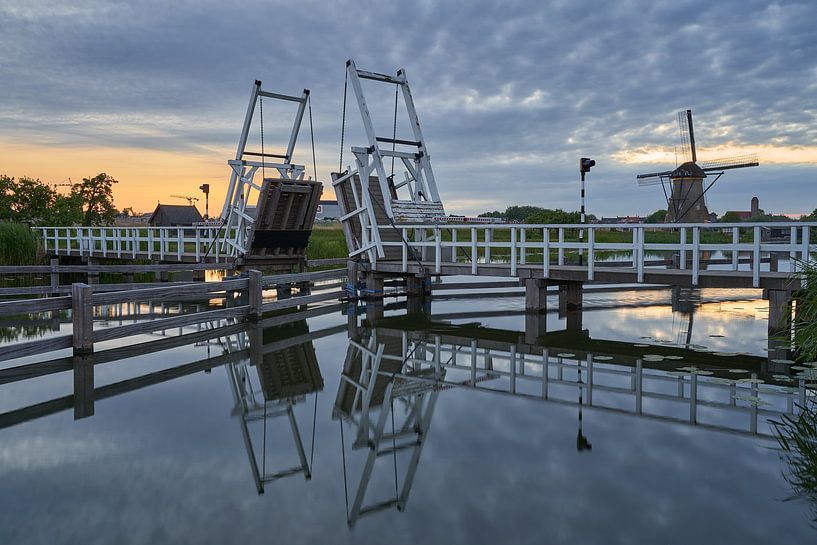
{"x":585,"y":164}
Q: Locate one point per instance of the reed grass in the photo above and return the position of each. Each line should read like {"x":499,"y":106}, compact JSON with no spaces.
{"x":18,"y":244}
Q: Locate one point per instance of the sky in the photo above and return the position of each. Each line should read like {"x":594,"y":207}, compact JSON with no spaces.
{"x":509,"y":94}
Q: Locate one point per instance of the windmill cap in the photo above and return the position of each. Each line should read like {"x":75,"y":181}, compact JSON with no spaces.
{"x":688,"y":170}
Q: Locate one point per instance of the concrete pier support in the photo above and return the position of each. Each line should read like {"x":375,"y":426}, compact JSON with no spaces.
{"x":780,"y":318}
{"x":570,"y":296}
{"x":198,"y":275}
{"x":535,"y":295}
{"x":374,"y":296}
{"x":535,"y":326}
{"x":374,"y":285}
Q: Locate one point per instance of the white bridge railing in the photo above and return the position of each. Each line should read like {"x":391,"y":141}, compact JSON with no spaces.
{"x":143,"y":242}
{"x":547,"y":246}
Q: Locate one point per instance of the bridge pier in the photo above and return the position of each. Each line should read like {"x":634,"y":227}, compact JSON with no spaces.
{"x":780,"y":315}
{"x":570,"y":296}
{"x":535,"y":326}
{"x":536,"y":296}
{"x":374,"y":295}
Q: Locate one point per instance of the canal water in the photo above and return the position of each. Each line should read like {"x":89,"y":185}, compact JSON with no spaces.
{"x":648,"y":423}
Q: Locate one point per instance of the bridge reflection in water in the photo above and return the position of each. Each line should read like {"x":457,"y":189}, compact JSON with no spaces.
{"x":396,"y":368}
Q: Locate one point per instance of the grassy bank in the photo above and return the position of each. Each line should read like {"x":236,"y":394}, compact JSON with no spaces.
{"x":327,"y":242}
{"x":18,"y":244}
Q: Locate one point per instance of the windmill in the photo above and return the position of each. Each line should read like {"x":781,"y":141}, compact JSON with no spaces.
{"x":684,"y":186}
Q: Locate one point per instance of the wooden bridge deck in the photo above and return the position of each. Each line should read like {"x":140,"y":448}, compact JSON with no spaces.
{"x":604,"y":275}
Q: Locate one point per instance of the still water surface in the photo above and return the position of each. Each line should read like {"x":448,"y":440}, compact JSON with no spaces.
{"x":431,"y":449}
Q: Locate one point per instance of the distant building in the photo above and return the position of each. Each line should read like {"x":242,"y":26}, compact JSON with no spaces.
{"x":327,"y":210}
{"x":748,"y":214}
{"x":622,"y":219}
{"x":173,"y":215}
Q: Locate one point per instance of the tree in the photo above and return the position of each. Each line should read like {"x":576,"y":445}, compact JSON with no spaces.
{"x":731,"y":217}
{"x":659,"y":216}
{"x":97,"y":197}
{"x":32,"y":199}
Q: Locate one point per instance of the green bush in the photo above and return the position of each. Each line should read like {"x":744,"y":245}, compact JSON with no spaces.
{"x":18,"y":244}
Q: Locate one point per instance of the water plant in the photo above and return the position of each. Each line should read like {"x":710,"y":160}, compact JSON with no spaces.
{"x":797,"y":433}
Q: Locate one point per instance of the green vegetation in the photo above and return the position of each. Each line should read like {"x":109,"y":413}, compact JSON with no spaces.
{"x":327,"y":243}
{"x":18,"y":245}
{"x":31,"y":201}
{"x":797,"y":433}
{"x":659,"y":216}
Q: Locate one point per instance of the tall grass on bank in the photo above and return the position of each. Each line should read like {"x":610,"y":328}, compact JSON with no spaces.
{"x":805,"y":320}
{"x":797,"y":433}
{"x":18,"y":244}
{"x":327,"y":243}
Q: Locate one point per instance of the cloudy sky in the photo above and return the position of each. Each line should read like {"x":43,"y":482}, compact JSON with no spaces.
{"x":509,"y":94}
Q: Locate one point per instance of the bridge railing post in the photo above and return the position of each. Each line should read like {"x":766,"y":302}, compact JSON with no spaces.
{"x":805,"y":257}
{"x":683,"y":253}
{"x":561,"y":252}
{"x":405,"y":249}
{"x":546,"y":252}
{"x":591,"y":238}
{"x":474,"y":250}
{"x":438,"y":254}
{"x":696,"y":254}
{"x":638,"y":233}
{"x":756,"y":257}
{"x":513,"y":251}
{"x":82,"y":318}
{"x":735,"y":252}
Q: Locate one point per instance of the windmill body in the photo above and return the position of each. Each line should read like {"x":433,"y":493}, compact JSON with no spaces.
{"x":684,"y":187}
{"x":687,"y":201}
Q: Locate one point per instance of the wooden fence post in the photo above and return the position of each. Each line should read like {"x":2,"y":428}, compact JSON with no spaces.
{"x":55,"y":276}
{"x":82,"y":316}
{"x":255,"y":290}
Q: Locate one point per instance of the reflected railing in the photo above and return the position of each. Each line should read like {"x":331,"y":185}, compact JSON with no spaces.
{"x":391,"y":363}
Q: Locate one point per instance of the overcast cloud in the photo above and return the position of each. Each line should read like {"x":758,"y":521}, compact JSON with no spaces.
{"x":509,"y":94}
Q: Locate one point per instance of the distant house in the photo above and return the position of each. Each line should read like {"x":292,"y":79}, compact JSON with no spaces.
{"x":622,"y":219}
{"x":327,"y":210}
{"x":174,"y":215}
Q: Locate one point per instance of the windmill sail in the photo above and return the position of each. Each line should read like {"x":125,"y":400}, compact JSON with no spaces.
{"x":726,"y":163}
{"x":687,"y":145}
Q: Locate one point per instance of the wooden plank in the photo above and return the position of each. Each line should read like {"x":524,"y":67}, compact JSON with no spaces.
{"x":167,"y":323}
{"x":169,"y":292}
{"x":269,"y":281}
{"x":18,"y":350}
{"x":303,"y":300}
{"x":46,"y":304}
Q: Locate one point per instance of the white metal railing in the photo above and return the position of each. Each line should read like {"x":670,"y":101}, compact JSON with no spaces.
{"x":142,"y":242}
{"x":547,"y":245}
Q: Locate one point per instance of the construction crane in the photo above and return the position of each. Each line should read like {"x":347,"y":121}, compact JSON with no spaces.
{"x":190,"y":200}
